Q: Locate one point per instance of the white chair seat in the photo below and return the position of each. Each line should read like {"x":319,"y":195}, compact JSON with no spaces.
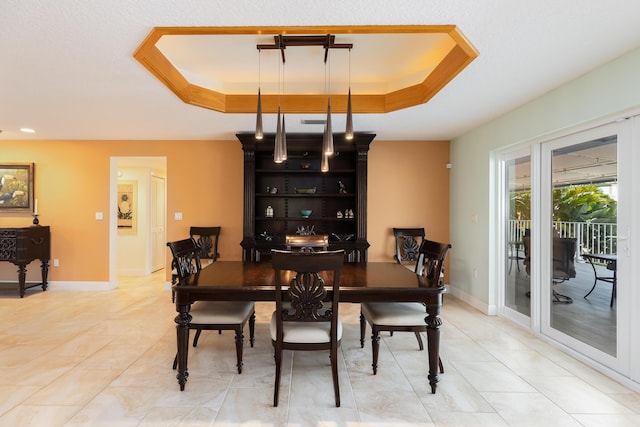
{"x":220,"y":312}
{"x":305,"y":332}
{"x":394,"y":313}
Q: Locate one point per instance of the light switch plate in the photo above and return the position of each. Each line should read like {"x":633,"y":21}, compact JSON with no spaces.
{"x":178,"y":216}
{"x":99,"y":216}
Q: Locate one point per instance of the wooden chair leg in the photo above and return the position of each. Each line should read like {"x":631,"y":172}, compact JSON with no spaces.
{"x":419,"y":341}
{"x":363,"y":328}
{"x":278,"y":357}
{"x":239,"y":343}
{"x":252,"y":328}
{"x":375,"y":347}
{"x":440,"y":365}
{"x":197,"y":337}
{"x":175,"y":362}
{"x":334,"y":372}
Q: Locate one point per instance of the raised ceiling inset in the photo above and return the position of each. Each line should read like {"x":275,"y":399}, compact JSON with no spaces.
{"x":392,"y":67}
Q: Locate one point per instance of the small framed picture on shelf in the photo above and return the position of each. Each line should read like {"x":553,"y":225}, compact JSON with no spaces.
{"x":16,"y":188}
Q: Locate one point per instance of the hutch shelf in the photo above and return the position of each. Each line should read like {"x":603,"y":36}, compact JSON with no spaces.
{"x":276,"y":195}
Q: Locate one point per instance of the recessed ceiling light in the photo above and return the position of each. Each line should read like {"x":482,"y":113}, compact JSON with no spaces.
{"x":27,"y":130}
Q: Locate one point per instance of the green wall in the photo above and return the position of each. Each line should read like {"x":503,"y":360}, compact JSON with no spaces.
{"x":607,"y":90}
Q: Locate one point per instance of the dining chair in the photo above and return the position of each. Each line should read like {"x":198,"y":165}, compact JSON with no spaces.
{"x":405,"y":316}
{"x":211,"y":315}
{"x":310,"y":321}
{"x":564,"y":250}
{"x":207,"y":240}
{"x":307,"y":243}
{"x":408,"y":242}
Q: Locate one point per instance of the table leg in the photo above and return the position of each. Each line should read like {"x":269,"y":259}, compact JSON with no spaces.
{"x":595,"y":275}
{"x":433,"y":343}
{"x":22,"y":278}
{"x":182,"y":331}
{"x":45,"y":272}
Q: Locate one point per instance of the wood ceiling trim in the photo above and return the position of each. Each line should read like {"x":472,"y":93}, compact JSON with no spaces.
{"x":158,"y":65}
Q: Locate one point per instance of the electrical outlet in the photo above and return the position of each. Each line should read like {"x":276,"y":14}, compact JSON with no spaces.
{"x":56,"y":262}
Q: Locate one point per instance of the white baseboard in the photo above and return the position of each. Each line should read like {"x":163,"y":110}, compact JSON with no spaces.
{"x":488,"y":309}
{"x":81,"y":286}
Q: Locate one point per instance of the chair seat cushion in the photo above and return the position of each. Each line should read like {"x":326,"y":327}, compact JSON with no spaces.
{"x":305,"y":332}
{"x":221,"y":312}
{"x":394,"y":313}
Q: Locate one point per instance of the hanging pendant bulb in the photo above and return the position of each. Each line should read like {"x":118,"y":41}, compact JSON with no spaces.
{"x":277,"y":148}
{"x":324,"y":164}
{"x":327,"y":140}
{"x":348,"y":134}
{"x":259,"y":130}
{"x":283,"y":142}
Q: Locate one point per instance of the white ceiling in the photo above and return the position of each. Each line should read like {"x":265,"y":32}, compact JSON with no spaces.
{"x":67,"y":68}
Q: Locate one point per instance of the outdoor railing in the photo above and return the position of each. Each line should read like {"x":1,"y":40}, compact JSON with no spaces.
{"x":590,"y":236}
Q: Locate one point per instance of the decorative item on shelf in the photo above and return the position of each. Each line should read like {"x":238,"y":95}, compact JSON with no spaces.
{"x":268,"y":212}
{"x":305,"y":190}
{"x":274,"y":190}
{"x":348,"y":213}
{"x":306,"y":231}
{"x":305,"y":213}
{"x":342,"y":189}
{"x":343,"y":237}
{"x":305,"y":165}
{"x":266,"y":236}
{"x":339,"y":214}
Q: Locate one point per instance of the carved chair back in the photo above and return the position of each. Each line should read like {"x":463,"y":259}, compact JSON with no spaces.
{"x":431,"y":260}
{"x":186,"y":258}
{"x":207,"y":240}
{"x":305,"y":288}
{"x":408,"y":242}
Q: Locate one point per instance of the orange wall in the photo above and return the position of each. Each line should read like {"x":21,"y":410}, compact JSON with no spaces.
{"x":408,"y":186}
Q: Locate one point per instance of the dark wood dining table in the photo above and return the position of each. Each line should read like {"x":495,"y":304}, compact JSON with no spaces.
{"x":360,"y":282}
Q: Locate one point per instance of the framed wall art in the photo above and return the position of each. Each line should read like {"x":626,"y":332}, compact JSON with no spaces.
{"x":127,"y":207}
{"x":16,"y":188}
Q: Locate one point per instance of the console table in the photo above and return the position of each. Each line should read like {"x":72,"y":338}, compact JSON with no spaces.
{"x":21,"y":245}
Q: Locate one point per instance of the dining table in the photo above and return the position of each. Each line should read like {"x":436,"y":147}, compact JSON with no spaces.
{"x":359,"y":282}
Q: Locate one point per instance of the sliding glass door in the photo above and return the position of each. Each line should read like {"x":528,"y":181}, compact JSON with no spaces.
{"x":583,"y":205}
{"x":516,"y":182}
{"x":566,"y":207}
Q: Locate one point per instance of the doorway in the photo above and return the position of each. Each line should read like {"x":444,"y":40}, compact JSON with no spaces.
{"x":565,"y":266}
{"x":139,"y":248}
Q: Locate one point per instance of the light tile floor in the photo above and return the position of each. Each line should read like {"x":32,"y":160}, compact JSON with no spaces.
{"x":104,"y":359}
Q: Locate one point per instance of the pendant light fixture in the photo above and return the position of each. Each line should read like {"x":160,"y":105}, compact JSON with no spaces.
{"x":280,"y":146}
{"x":281,"y":42}
{"x":348,"y":133}
{"x":283,"y":134}
{"x":259,"y":129}
{"x":327,"y":140}
{"x":277,"y":150}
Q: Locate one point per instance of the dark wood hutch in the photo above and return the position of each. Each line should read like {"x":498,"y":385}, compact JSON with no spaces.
{"x":275,"y":194}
